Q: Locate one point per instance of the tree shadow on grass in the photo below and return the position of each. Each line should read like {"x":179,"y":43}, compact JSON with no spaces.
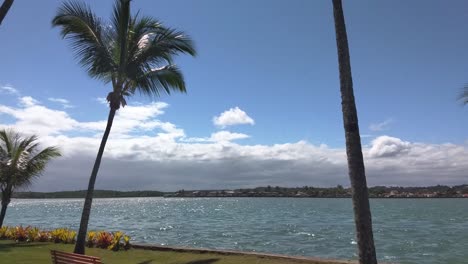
{"x":203,"y":261}
{"x":7,"y":246}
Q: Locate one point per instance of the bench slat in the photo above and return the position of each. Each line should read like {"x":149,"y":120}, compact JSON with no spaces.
{"x":79,"y":257}
{"x":59,"y":257}
{"x":74,"y":255}
{"x":71,"y":261}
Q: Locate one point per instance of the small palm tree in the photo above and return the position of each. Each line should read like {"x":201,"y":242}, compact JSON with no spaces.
{"x":21,"y":161}
{"x":133,"y":53}
{"x":356,"y":170}
{"x":4,"y":9}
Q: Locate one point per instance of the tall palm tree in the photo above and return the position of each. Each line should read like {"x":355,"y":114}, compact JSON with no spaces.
{"x":4,"y":9}
{"x":21,"y":161}
{"x":360,"y":197}
{"x":133,"y":53}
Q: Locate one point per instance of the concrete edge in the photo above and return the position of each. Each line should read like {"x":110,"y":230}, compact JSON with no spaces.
{"x":234,"y":252}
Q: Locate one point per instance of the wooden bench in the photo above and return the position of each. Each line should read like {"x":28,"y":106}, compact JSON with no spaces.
{"x":59,"y":257}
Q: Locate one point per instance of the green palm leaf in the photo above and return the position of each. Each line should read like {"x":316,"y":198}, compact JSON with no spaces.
{"x":36,"y":165}
{"x":120,"y":22}
{"x":168,"y":78}
{"x":134,"y":53}
{"x":89,"y":38}
{"x":21,"y":160}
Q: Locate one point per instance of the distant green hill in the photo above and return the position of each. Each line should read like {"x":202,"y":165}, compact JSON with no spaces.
{"x":82,"y":193}
{"x":439,"y":191}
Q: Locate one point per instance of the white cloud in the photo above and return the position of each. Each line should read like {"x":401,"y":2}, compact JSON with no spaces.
{"x":132,"y":119}
{"x":31,"y":117}
{"x":233,"y":116}
{"x":386,"y":146}
{"x":64,"y":102}
{"x":396,"y":162}
{"x":144,"y":152}
{"x":382,"y":125}
{"x":171,"y":165}
{"x":8,"y":89}
{"x":58,"y":100}
{"x":28,"y":101}
{"x":102,"y":100}
{"x":37,"y":119}
{"x":224,"y":136}
{"x":220,"y":136}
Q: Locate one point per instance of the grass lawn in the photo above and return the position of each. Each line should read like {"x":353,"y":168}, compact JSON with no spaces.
{"x":38,"y":253}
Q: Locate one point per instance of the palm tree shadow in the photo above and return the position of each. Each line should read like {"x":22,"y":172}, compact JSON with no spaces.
{"x":204,"y":261}
{"x":201,"y":261}
{"x":9,"y":246}
{"x":5,"y":247}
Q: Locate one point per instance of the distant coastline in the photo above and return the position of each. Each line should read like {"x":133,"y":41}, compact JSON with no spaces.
{"x":439,"y":191}
{"x":82,"y":193}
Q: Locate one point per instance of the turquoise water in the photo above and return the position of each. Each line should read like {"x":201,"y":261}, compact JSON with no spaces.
{"x":405,"y":230}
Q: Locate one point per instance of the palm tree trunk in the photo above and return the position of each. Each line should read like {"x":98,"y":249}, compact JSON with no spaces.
{"x":3,"y":212}
{"x":4,"y":9}
{"x":362,"y":213}
{"x":6,"y":198}
{"x":81,"y":239}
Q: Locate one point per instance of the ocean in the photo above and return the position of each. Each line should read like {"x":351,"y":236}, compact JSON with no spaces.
{"x":406,"y":230}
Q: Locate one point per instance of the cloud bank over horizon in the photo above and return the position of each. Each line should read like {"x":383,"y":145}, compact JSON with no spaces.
{"x":145,"y":152}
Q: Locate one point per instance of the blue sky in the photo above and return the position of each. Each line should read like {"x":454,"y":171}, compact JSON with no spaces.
{"x":276,"y":61}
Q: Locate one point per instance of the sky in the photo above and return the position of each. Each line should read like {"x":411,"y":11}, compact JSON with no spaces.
{"x":263,"y":103}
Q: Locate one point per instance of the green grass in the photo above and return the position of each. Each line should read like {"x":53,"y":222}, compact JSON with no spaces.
{"x":38,"y":253}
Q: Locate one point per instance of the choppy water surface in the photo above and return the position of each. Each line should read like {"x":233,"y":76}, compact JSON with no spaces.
{"x":406,"y":230}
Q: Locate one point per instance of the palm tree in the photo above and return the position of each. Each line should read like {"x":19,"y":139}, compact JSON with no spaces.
{"x":21,"y":161}
{"x":4,"y":9}
{"x":133,"y":53}
{"x":360,"y":197}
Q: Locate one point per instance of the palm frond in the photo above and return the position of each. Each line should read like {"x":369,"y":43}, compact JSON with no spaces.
{"x":167,"y":79}
{"x":174,"y":41}
{"x":142,"y":31}
{"x":161,"y":44}
{"x":22,"y":161}
{"x":121,"y":20}
{"x":36,"y":165}
{"x":8,"y":139}
{"x":89,"y":38}
{"x":135,"y":53}
{"x":150,"y":68}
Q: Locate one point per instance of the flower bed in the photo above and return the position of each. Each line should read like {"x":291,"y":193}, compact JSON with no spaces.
{"x":100,"y":239}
